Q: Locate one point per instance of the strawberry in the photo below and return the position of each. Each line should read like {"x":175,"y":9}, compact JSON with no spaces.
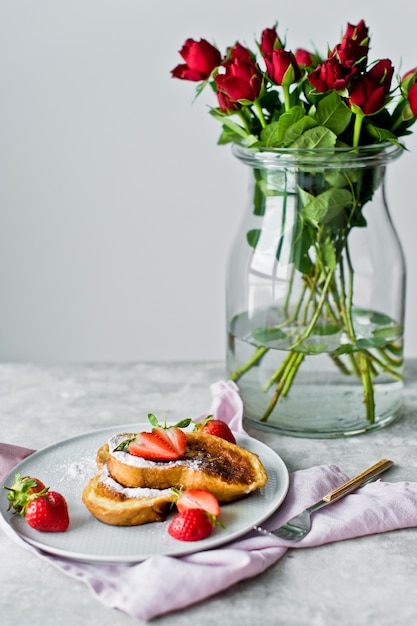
{"x":198,"y":499}
{"x":164,"y":443}
{"x":152,"y":447}
{"x":22,"y":488}
{"x":174,"y":437}
{"x":191,"y":525}
{"x":216,"y":427}
{"x":48,"y":512}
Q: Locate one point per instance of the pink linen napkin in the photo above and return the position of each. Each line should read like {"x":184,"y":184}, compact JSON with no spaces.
{"x":377,"y":507}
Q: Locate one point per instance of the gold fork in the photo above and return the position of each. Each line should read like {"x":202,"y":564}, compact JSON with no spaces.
{"x":297,"y":527}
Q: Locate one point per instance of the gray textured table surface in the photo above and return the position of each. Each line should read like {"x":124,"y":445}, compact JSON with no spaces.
{"x":365,"y":581}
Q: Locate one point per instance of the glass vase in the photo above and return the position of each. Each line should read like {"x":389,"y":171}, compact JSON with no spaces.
{"x":316,"y":293}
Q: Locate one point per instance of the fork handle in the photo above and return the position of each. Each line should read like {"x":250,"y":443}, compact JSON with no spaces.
{"x":359,"y":480}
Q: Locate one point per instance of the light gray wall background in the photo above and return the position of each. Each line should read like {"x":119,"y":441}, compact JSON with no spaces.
{"x":117,"y":208}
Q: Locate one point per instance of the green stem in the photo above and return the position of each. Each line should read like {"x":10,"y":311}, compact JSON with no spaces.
{"x":317,"y":312}
{"x":244,"y":121}
{"x":367,"y":387}
{"x":289,"y":368}
{"x":359,"y":117}
{"x":287,"y":101}
{"x":255,"y":358}
{"x":291,"y":374}
{"x":260,"y":113}
{"x":364,"y":365}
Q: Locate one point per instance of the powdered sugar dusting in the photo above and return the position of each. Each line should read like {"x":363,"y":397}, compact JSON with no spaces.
{"x":131,"y":492}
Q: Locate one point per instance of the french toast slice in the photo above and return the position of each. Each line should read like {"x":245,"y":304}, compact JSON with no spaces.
{"x":227,"y":470}
{"x":113,"y":504}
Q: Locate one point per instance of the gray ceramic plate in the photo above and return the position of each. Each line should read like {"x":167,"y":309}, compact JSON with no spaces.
{"x":67,"y":466}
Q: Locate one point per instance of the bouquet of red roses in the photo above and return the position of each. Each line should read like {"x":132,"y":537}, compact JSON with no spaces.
{"x":259,"y":92}
{"x":296,"y":101}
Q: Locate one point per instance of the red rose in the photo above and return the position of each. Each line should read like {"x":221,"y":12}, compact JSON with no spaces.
{"x":331,"y":75}
{"x":411,"y":74}
{"x":412,"y":99}
{"x":282,"y":68}
{"x":241,"y":81}
{"x":226,"y":104}
{"x":358,"y":33}
{"x":370,"y":90}
{"x":353,"y":49}
{"x":238,"y":53}
{"x":200,"y":57}
{"x":269,"y":41}
{"x":408,"y":80}
{"x":304,"y":57}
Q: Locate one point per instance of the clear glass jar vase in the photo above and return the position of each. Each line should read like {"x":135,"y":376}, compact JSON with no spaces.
{"x":316,"y":293}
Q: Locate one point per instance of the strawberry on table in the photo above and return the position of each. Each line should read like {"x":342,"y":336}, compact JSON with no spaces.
{"x":216,"y":427}
{"x":191,"y":525}
{"x":198,"y":499}
{"x":48,"y":513}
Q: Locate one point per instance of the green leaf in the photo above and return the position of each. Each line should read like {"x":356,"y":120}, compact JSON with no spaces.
{"x":229,"y":123}
{"x":319,"y":137}
{"x":380,"y":319}
{"x":265,"y":335}
{"x":361,"y":344}
{"x":326,"y":206}
{"x":302,"y":242}
{"x":389,"y":333}
{"x":333,"y":113}
{"x":183,"y":423}
{"x":297,"y":129}
{"x":326,"y":329}
{"x":253,"y":236}
{"x":272,"y":135}
{"x":381,"y":134}
{"x":153,"y":419}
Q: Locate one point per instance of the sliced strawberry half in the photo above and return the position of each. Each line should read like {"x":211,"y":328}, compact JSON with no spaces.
{"x":174,"y":437}
{"x":198,"y":499}
{"x":151,"y":447}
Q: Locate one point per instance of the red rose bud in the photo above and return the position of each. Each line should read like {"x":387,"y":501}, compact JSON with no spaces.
{"x":282,"y":67}
{"x":412,"y":99}
{"x":238,"y":53}
{"x":370,"y":90}
{"x":408,"y":80}
{"x":358,"y":33}
{"x":242,"y":81}
{"x":269,"y":41}
{"x":304,"y":58}
{"x":226,"y":104}
{"x":331,"y":75}
{"x":353,"y":49}
{"x":200,"y":57}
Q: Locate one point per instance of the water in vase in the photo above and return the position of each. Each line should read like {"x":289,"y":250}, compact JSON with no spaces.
{"x":323,"y":394}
